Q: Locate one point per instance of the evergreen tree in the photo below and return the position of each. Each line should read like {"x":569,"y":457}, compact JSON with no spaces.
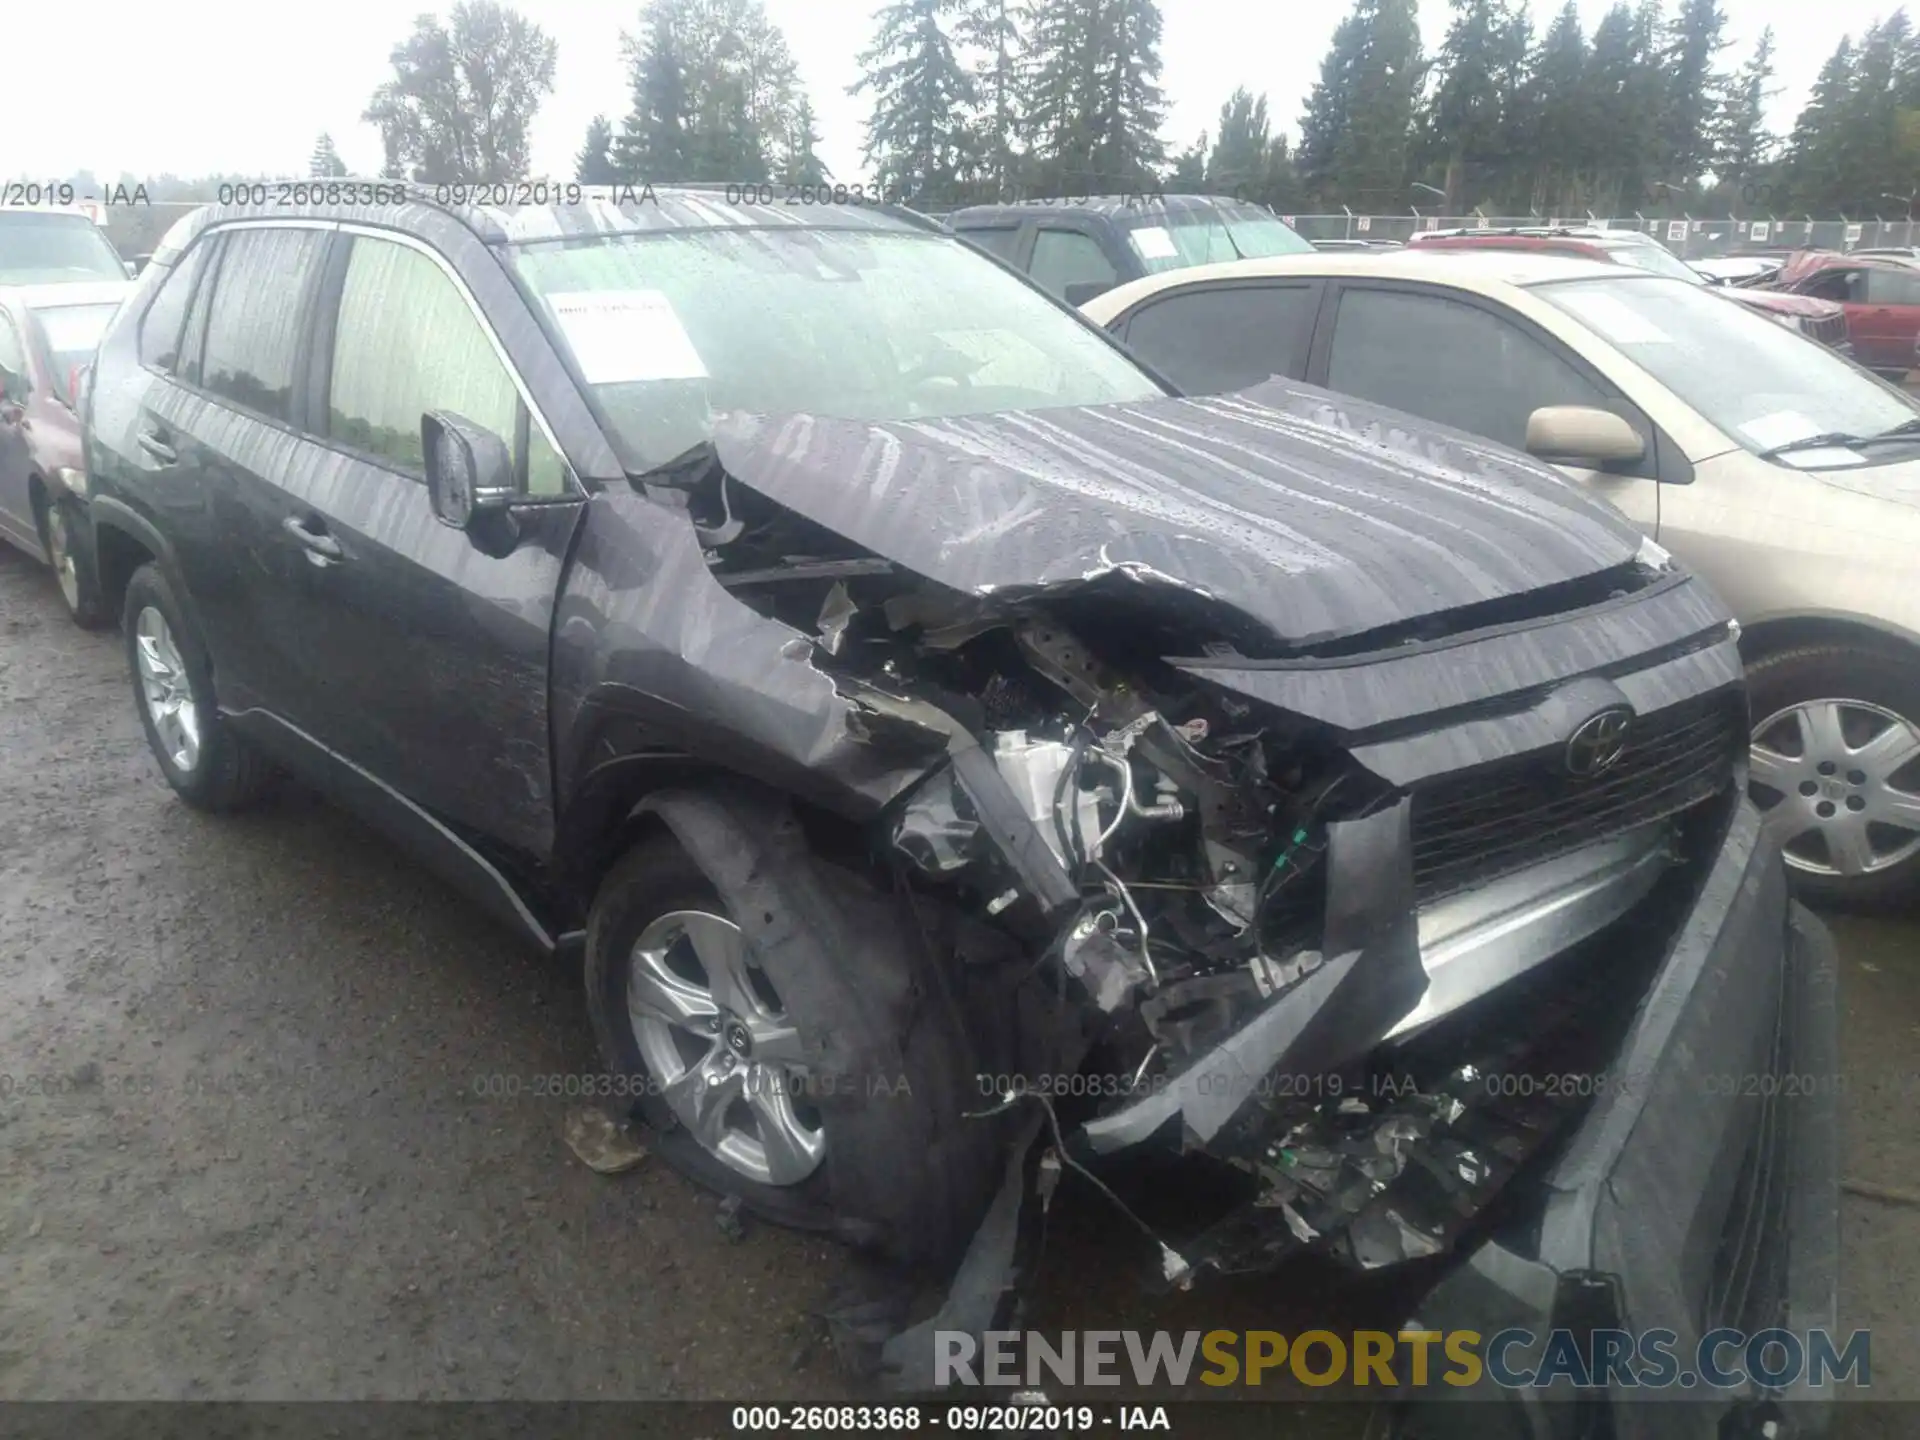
{"x":1237,"y":164}
{"x":803,"y":165}
{"x":1371,"y":155}
{"x":1516,"y":149}
{"x":1563,"y":150}
{"x":1128,"y":104}
{"x":989,"y":30}
{"x":325,"y":163}
{"x":1873,"y":156}
{"x":1462,"y":121}
{"x":1623,"y":95}
{"x":652,"y":146}
{"x":918,"y":136}
{"x":1090,"y":97}
{"x":1741,"y":143}
{"x":1189,"y":173}
{"x":594,"y":164}
{"x":1058,"y":80}
{"x":714,"y":91}
{"x":1329,"y":106}
{"x":1814,"y":151}
{"x":1694,"y":89}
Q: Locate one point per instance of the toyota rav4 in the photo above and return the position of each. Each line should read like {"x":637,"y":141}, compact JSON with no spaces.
{"x":958,"y":757}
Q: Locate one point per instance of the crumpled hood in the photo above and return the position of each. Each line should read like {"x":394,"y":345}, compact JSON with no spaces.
{"x":1780,"y":303}
{"x":1315,"y":515}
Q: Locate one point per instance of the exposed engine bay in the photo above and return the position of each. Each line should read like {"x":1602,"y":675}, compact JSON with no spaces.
{"x":1215,"y":884}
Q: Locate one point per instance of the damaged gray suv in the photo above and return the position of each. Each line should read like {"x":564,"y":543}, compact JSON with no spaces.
{"x":955,"y":755}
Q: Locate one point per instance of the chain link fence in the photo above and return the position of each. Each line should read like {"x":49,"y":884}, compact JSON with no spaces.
{"x":1690,"y":237}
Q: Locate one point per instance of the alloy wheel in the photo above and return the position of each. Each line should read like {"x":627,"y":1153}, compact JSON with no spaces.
{"x":721,"y":1048}
{"x":1840,"y":783}
{"x":60,"y":551}
{"x":165,"y":690}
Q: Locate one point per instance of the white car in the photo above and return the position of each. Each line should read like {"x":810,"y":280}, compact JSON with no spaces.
{"x":1784,"y":473}
{"x":1732,"y":269}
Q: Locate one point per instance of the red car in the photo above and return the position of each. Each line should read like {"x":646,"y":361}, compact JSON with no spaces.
{"x":1816,"y":318}
{"x":1881,"y":295}
{"x":47,"y":336}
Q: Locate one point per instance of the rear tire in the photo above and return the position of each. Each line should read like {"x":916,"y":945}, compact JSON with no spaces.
{"x":207,"y":764}
{"x":63,"y":531}
{"x":899,"y":1170}
{"x":1836,"y":769}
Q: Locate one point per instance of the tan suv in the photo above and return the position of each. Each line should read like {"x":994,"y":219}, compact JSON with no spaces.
{"x":1785,"y":474}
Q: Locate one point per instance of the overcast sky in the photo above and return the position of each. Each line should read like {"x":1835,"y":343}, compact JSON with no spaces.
{"x":198,"y":86}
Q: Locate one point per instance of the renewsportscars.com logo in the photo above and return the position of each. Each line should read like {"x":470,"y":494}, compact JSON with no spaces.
{"x":1513,"y":1359}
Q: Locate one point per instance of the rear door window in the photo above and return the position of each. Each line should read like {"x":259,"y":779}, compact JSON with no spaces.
{"x":1063,"y":258}
{"x":1226,"y":337}
{"x":253,"y":322}
{"x":1449,"y":362}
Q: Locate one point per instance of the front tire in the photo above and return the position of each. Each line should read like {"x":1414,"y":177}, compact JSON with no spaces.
{"x":1835,"y":766}
{"x":207,"y":764}
{"x":719,"y":1040}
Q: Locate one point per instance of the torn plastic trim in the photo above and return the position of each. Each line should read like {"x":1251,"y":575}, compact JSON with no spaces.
{"x":983,"y":1285}
{"x":1371,"y":979}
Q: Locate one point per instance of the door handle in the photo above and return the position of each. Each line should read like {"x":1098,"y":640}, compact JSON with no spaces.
{"x":321,"y":548}
{"x":156,"y":447}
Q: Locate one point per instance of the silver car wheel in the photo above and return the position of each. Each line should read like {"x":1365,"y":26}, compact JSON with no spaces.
{"x":165,"y":690}
{"x":1833,"y":764}
{"x":721,"y":1048}
{"x":60,"y":551}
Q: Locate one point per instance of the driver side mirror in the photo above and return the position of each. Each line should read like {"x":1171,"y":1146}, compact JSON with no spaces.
{"x":1582,"y":434}
{"x":470,"y":480}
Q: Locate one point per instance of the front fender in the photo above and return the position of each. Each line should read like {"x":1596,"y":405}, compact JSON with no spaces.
{"x":655,"y":663}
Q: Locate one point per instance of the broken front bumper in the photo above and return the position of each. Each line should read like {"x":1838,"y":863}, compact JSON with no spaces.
{"x":1701,"y":1191}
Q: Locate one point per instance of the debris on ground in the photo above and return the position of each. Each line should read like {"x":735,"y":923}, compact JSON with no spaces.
{"x":603,"y":1144}
{"x":728,"y":1218}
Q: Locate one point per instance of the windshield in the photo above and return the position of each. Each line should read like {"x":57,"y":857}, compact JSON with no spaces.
{"x":1175,"y":239}
{"x":669,"y":328}
{"x":1656,"y":260}
{"x":71,"y":333}
{"x":38,"y":247}
{"x":1783,"y":387}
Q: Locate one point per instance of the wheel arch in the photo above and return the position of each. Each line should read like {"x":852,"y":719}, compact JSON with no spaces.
{"x":123,"y":541}
{"x":1773,"y":634}
{"x":606,"y":814}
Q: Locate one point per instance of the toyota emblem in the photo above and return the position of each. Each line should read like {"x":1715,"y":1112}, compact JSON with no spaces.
{"x":1596,"y":747}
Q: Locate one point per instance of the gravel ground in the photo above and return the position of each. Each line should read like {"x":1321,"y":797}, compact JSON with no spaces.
{"x":269,"y":1169}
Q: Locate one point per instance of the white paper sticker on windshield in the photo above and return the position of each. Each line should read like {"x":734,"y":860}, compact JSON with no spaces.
{"x":622,"y":336}
{"x":1154,"y":243}
{"x":1782,"y":427}
{"x":1612,"y":317}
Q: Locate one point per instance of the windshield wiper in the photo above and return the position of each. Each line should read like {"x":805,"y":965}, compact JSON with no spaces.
{"x":1902,"y":431}
{"x":1827,"y":440}
{"x":1842,"y":440}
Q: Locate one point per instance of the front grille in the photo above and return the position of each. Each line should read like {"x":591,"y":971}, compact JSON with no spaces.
{"x":1829,"y":331}
{"x":1468,"y":829}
